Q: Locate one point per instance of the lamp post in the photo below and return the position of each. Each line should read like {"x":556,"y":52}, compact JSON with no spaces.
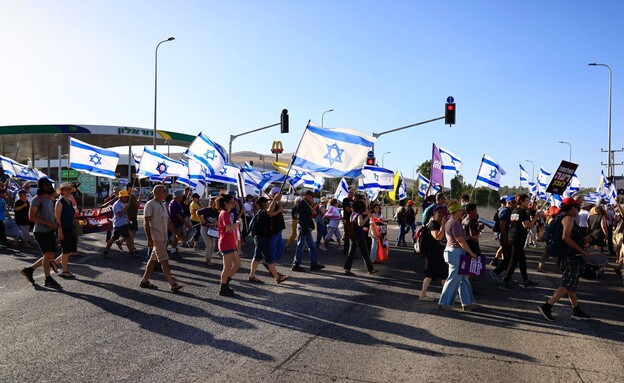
{"x":323,"y":115}
{"x":609,"y":170}
{"x":156,"y":85}
{"x":570,"y":145}
{"x":382,"y":158}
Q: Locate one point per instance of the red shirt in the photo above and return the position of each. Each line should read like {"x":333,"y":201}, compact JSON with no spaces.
{"x":227,"y":241}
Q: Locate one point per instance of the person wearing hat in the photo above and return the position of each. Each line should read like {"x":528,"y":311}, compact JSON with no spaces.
{"x":262,"y":240}
{"x":456,"y":246}
{"x":21,"y":208}
{"x":120,"y":222}
{"x":584,"y":215}
{"x":304,"y":238}
{"x":573,"y":241}
{"x":550,"y":215}
{"x":504,"y":218}
{"x":410,"y":217}
{"x":176,"y":214}
{"x":41,"y":212}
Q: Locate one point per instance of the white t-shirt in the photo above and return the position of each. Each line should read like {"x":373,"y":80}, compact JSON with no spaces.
{"x":248,"y":209}
{"x":158,"y":213}
{"x":583,"y":215}
{"x":333,"y":213}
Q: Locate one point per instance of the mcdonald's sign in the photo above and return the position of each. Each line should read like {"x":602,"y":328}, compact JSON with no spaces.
{"x":277,"y":147}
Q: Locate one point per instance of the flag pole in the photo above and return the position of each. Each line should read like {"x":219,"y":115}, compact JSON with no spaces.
{"x":476,"y":178}
{"x":294,"y":156}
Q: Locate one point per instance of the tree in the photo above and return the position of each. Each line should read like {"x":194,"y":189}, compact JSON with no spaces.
{"x":458,"y":187}
{"x":425,"y":169}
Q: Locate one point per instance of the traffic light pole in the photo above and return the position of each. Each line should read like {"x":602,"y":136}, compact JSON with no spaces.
{"x":377,"y":135}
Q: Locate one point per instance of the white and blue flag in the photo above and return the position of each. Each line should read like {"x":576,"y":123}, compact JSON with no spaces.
{"x":543,"y":179}
{"x":342,"y":191}
{"x":332,"y":153}
{"x":489,"y":173}
{"x":91,"y":159}
{"x":374,"y":177}
{"x":269,"y":178}
{"x":423,"y":186}
{"x":195,"y":177}
{"x":156,"y":166}
{"x":603,"y":186}
{"x":227,"y":175}
{"x":524,"y":177}
{"x":207,"y":153}
{"x":450,"y":162}
{"x":573,"y":187}
{"x":555,"y":200}
{"x":371,"y":193}
{"x":25,"y":173}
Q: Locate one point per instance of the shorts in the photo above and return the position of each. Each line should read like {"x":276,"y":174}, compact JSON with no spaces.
{"x":159,"y":251}
{"x":262,"y":250}
{"x":133,"y":225}
{"x":121,"y":231}
{"x":572,"y":269}
{"x":46,"y":241}
{"x":229,"y":251}
{"x":69,"y":243}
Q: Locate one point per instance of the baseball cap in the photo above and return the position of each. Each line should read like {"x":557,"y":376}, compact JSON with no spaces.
{"x":410,"y":202}
{"x":123,"y":193}
{"x":569,"y":201}
{"x":510,"y":198}
{"x":454,"y":207}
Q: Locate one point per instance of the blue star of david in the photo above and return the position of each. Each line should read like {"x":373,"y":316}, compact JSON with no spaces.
{"x":329,"y":157}
{"x":161,"y":167}
{"x":493,"y":173}
{"x":299,"y":175}
{"x":97,"y":160}
{"x":223,"y":171}
{"x":423,"y":187}
{"x":25,"y":171}
{"x":266,"y":176}
{"x":376,"y":177}
{"x":210,"y":154}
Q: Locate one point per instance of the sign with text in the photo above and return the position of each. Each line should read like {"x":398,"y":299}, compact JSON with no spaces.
{"x":561,"y":178}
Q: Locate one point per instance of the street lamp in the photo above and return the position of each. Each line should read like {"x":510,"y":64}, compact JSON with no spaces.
{"x":323,"y":115}
{"x":609,"y":171}
{"x":156,"y":85}
{"x":570,"y":145}
{"x":382,"y":158}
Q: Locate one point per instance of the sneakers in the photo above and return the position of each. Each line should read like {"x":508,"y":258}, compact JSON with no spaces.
{"x":28,"y":273}
{"x":495,"y":276}
{"x":176,"y":286}
{"x":226,"y":291}
{"x":471,"y":307}
{"x":316,"y":266}
{"x":323,"y":247}
{"x":579,"y":314}
{"x":529,"y":284}
{"x":50,"y":282}
{"x":298,"y":268}
{"x":545,"y":310}
{"x":506,"y":286}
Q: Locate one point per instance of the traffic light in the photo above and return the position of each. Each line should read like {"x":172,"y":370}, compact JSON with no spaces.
{"x":449,"y":113}
{"x":370,"y":161}
{"x":284,"y":121}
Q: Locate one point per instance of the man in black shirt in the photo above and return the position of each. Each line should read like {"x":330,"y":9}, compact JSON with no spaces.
{"x":346,"y":219}
{"x":306,"y":225}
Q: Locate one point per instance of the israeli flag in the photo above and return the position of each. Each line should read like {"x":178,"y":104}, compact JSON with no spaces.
{"x":543,"y":179}
{"x":156,"y":165}
{"x":612,"y":195}
{"x":333,"y":153}
{"x":269,"y":178}
{"x":556,"y":200}
{"x":342,"y":191}
{"x":524,"y":177}
{"x":251,"y":178}
{"x":371,"y":193}
{"x":25,"y":173}
{"x":402,"y":190}
{"x":489,"y":173}
{"x":7,"y":166}
{"x":573,"y":187}
{"x":91,"y":159}
{"x":450,"y":162}
{"x":591,"y":197}
{"x":533,"y":187}
{"x":207,"y":153}
{"x":227,"y":175}
{"x":423,"y":186}
{"x":603,"y":186}
{"x":317,"y":183}
{"x":195,"y":177}
{"x":300,"y":178}
{"x":374,"y":177}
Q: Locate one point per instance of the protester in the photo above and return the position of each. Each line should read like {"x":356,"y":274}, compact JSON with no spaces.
{"x":262,"y":241}
{"x":64,"y":216}
{"x":42,"y":214}
{"x":304,"y":234}
{"x":381,"y":226}
{"x":120,"y":222}
{"x":360,"y":217}
{"x":583,"y":217}
{"x":3,"y":216}
{"x":440,"y":198}
{"x":277,"y":225}
{"x":551,"y":214}
{"x":21,"y":208}
{"x":346,"y":219}
{"x":156,"y":220}
{"x":518,"y":231}
{"x":319,"y":211}
{"x":572,"y":253}
{"x":410,"y":218}
{"x":456,"y":246}
{"x":195,"y":221}
{"x":504,"y":217}
{"x":598,"y":226}
{"x":400,"y":217}
{"x":294,"y":212}
{"x":498,"y":257}
{"x":333,"y":214}
{"x":227,"y":243}
{"x":133,"y":216}
{"x":249,"y":213}
{"x":435,"y":266}
{"x":209,"y":231}
{"x":177,"y":217}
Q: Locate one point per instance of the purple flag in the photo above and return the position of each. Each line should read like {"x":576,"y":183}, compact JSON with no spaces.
{"x":437,"y":175}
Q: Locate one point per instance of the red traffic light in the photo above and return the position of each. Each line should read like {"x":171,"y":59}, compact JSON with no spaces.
{"x":370,"y":161}
{"x":450,"y":106}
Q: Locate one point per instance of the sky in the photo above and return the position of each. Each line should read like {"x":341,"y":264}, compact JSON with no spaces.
{"x":518,"y":71}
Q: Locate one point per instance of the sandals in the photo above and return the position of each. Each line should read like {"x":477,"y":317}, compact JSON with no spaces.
{"x":348,"y":273}
{"x":255,"y":279}
{"x":176,"y":286}
{"x":66,"y":275}
{"x":149,"y":285}
{"x":281,"y":278}
{"x":54,"y":266}
{"x":373,"y":271}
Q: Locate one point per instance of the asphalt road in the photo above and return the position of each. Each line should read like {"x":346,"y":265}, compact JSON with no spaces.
{"x":316,"y":327}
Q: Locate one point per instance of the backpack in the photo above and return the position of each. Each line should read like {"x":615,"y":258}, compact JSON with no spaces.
{"x":496,"y":219}
{"x":422,"y":238}
{"x":410,"y":215}
{"x":400,"y":214}
{"x":553,"y":233}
